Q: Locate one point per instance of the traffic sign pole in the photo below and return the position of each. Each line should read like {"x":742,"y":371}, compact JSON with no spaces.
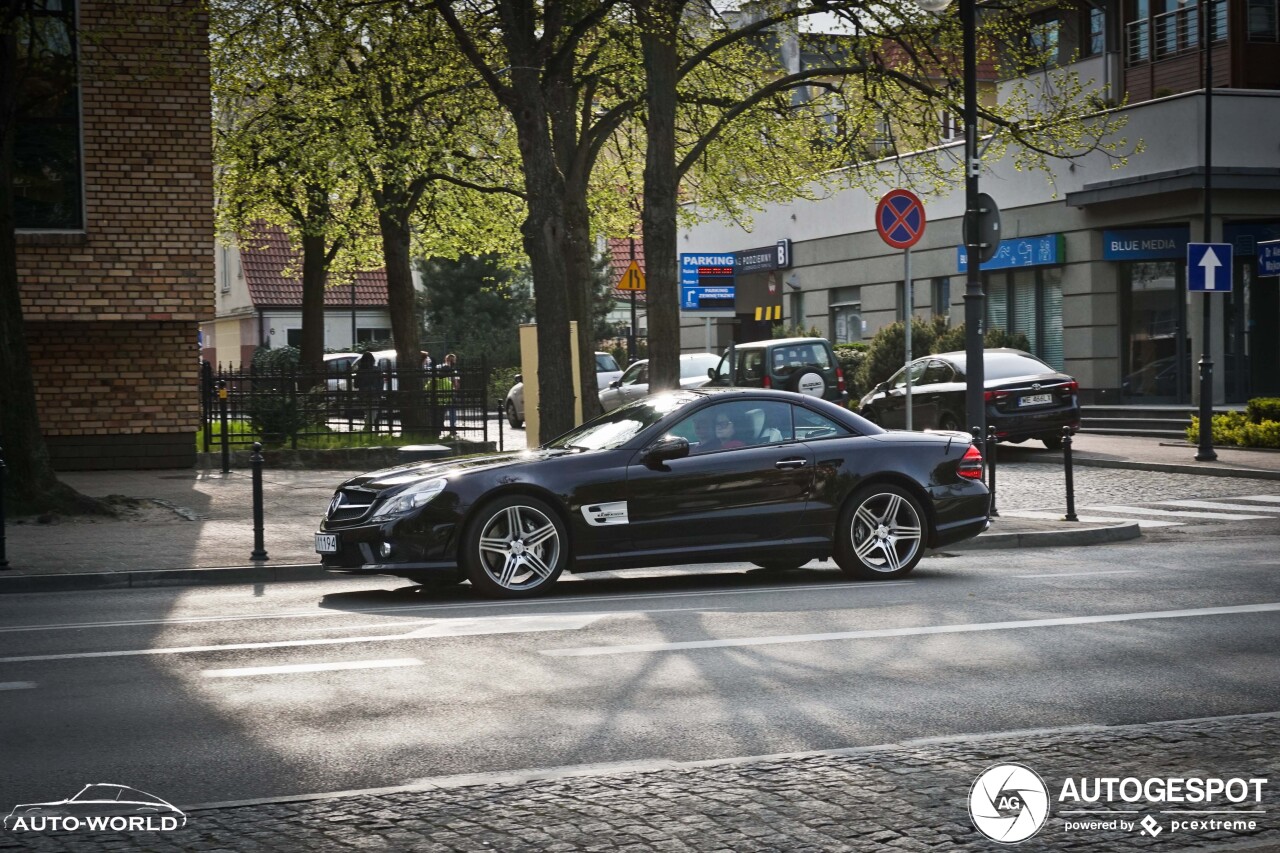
{"x":909,"y":296}
{"x":1209,"y":270}
{"x":900,"y":221}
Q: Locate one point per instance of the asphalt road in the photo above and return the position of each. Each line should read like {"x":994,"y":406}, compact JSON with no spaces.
{"x":213,"y":694}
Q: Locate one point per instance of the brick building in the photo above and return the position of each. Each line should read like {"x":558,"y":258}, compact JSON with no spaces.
{"x":114,"y":199}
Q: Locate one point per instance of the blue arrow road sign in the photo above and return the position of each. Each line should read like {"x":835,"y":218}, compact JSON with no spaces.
{"x":1269,"y":258}
{"x":1209,"y":267}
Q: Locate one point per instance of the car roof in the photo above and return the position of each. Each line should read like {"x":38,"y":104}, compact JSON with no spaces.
{"x":778,"y":342}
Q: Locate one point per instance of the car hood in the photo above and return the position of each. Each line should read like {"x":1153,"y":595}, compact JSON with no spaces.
{"x":403,"y":475}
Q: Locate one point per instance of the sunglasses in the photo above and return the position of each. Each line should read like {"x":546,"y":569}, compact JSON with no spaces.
{"x":723,"y":424}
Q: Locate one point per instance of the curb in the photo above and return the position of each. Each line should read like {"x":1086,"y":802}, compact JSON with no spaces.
{"x":162,"y":578}
{"x":315,"y":572}
{"x":1175,"y":468}
{"x":1051,"y":538}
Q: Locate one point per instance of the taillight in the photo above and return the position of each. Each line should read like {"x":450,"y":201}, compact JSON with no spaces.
{"x":839,"y":380}
{"x":768,"y":383}
{"x":971,"y":464}
{"x":993,"y":396}
{"x":1071,"y":387}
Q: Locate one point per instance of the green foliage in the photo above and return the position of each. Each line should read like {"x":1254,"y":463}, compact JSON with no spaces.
{"x":851,"y":356}
{"x":278,"y":360}
{"x":953,"y":339}
{"x":795,"y":330}
{"x":500,"y":381}
{"x":277,"y":417}
{"x":1235,"y":429}
{"x":1261,"y":409}
{"x":477,"y":304}
{"x":888,"y":351}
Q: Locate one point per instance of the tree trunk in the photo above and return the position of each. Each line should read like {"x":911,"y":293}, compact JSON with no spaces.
{"x":313,"y":283}
{"x":662,"y":299}
{"x":580,"y":277}
{"x":393,"y":225}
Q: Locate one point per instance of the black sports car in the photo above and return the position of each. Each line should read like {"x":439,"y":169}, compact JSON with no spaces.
{"x":1025,"y":397}
{"x":694,"y":476}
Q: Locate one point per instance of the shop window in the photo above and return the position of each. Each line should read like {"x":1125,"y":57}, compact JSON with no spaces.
{"x":941,"y":297}
{"x":46,"y":153}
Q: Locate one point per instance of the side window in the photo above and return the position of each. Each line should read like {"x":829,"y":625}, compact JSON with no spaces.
{"x":811,"y":426}
{"x":727,"y":426}
{"x":633,"y":374}
{"x":936,"y":373}
{"x":916,"y":369}
{"x":750,"y":367}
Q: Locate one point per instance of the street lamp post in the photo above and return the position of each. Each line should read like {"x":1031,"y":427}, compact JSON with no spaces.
{"x":974,"y":306}
{"x":1205,"y":452}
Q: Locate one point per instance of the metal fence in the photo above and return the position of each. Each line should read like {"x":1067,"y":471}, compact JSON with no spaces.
{"x":282,"y":408}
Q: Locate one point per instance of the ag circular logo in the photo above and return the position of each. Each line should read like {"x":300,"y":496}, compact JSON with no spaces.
{"x":1008,"y":803}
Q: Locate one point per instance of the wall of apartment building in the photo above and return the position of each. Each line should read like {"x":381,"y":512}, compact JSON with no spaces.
{"x":112,"y":310}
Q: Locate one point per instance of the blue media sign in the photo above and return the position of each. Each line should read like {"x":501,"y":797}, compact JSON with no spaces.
{"x":1145,"y":244}
{"x":1209,"y":267}
{"x":1269,"y":258}
{"x":1045,"y":250}
{"x":706,"y":282}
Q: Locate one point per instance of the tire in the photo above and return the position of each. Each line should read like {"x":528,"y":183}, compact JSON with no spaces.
{"x":512,"y":418}
{"x":882,"y":533}
{"x":515,"y":547}
{"x":1051,"y":441}
{"x":779,"y":565}
{"x":808,"y":377}
{"x":948,"y":422}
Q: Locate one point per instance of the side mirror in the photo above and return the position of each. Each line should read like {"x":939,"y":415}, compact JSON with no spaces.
{"x":711,"y":373}
{"x":670,"y":447}
{"x":883,"y":386}
{"x":617,"y":383}
{"x":519,"y":377}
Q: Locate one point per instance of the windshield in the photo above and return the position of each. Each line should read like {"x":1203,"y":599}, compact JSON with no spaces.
{"x":1006,"y":365}
{"x":616,"y":428}
{"x":605,"y":363}
{"x":697,"y":366}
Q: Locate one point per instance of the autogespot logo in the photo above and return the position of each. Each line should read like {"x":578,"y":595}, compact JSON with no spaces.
{"x":1008,"y":803}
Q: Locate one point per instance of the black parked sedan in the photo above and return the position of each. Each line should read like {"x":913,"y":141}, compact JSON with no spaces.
{"x":694,"y":476}
{"x":1025,"y":397}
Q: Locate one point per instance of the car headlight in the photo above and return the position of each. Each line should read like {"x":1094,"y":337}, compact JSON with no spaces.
{"x":410,"y":499}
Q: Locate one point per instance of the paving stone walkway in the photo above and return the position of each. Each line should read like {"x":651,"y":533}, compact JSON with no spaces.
{"x":899,"y":797}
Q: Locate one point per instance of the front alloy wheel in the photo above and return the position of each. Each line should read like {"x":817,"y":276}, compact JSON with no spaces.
{"x":518,"y":547}
{"x":881,"y":534}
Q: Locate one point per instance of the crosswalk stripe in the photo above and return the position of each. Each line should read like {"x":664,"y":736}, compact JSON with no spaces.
{"x":1194,"y":504}
{"x":309,"y":667}
{"x":1186,"y":513}
{"x":1273,"y":499}
{"x":1085,"y":519}
{"x":17,"y":685}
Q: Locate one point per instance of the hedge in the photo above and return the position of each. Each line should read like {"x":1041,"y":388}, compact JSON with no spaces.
{"x":1238,"y":429}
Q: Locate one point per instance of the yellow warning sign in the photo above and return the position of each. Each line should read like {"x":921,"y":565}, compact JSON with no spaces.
{"x":769,"y":312}
{"x":632,"y":279}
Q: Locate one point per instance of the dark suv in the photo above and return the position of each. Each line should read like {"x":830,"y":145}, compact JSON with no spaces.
{"x":804,"y":365}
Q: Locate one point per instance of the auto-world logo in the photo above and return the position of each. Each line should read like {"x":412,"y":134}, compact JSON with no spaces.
{"x":103,"y":807}
{"x":1008,"y":803}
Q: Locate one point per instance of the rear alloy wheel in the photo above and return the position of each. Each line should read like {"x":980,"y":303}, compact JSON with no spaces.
{"x":808,"y":380}
{"x":1051,"y":441}
{"x":517,"y":547}
{"x":881,"y":533}
{"x":512,"y":418}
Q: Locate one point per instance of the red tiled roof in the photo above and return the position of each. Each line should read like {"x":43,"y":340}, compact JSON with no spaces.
{"x":265,"y":256}
{"x":619,"y":249}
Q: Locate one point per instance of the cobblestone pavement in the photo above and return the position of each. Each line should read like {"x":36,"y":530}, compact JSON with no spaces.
{"x":1038,"y":485}
{"x":899,"y":797}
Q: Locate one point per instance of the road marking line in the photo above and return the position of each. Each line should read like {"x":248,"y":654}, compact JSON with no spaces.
{"x":444,"y":628}
{"x":1085,"y":519}
{"x":648,"y":765}
{"x":309,"y":667}
{"x":1085,"y":574}
{"x":1185,"y":513}
{"x":1192,"y":504}
{"x":478,"y":605}
{"x":17,"y":685}
{"x":1275,"y":499}
{"x":592,"y":651}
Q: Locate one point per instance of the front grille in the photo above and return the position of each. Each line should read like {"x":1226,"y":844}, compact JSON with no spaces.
{"x":350,"y":504}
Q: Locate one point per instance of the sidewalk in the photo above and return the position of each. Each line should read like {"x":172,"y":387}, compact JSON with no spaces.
{"x":181,"y":527}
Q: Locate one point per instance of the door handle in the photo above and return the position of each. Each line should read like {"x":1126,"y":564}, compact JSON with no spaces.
{"x":790,"y":463}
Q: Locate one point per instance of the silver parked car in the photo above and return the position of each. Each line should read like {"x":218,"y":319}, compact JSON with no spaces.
{"x":607,"y":370}
{"x":634,"y":383}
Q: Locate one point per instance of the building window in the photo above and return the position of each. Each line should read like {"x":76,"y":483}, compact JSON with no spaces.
{"x":1097,"y":43}
{"x":372,"y":335}
{"x":46,"y":153}
{"x":942,"y":297}
{"x":797,"y":309}
{"x":293,"y":338}
{"x":846,"y":315}
{"x":1262,"y":21}
{"x":1030,"y":302}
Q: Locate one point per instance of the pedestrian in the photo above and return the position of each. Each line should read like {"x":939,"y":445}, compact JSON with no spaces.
{"x":426,"y":359}
{"x":447,"y":380}
{"x":369,"y":386}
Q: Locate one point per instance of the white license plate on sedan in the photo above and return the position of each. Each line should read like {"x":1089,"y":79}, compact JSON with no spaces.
{"x":326,"y":543}
{"x":1036,"y":400}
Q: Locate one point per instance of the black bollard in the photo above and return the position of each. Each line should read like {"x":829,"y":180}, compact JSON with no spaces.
{"x":255,"y":462}
{"x":991,"y":477}
{"x":222,"y":418}
{"x":4,"y":562}
{"x":1071,"y":485}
